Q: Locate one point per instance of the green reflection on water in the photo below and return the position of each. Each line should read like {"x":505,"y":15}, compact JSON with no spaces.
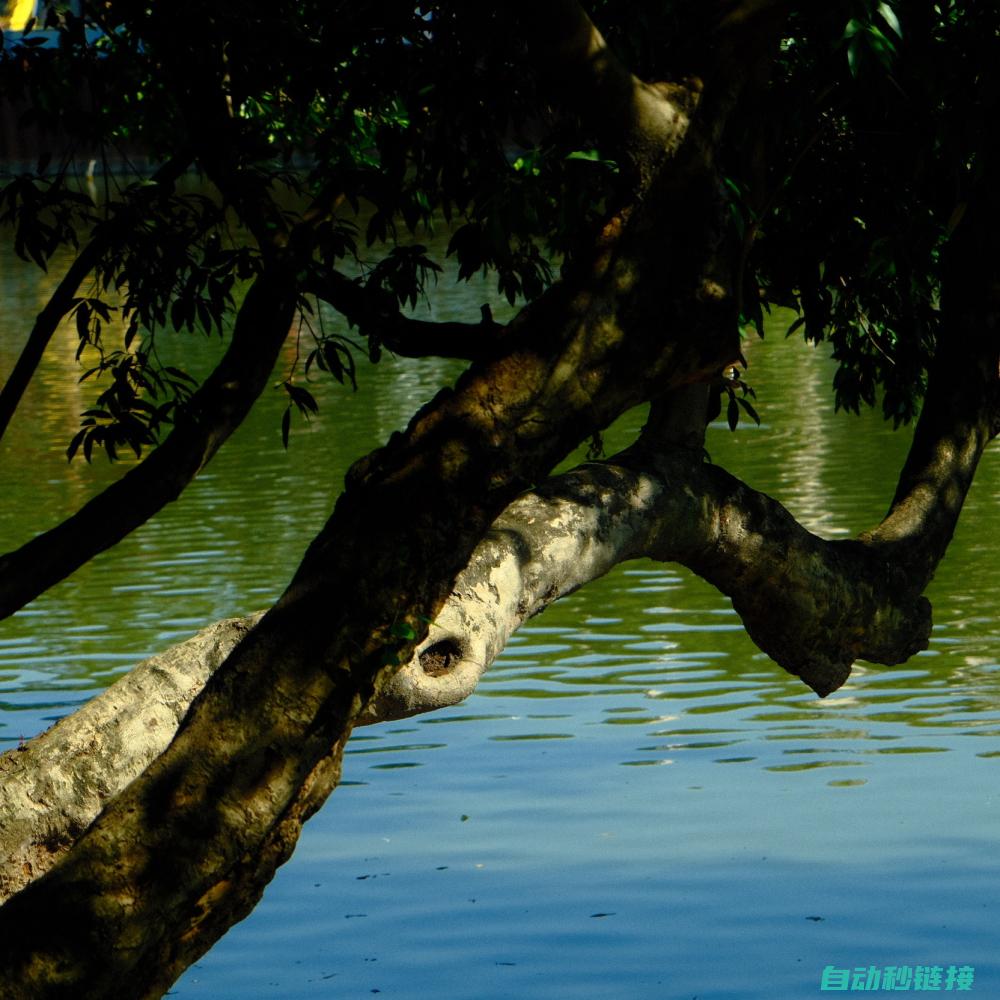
{"x":655,"y":683}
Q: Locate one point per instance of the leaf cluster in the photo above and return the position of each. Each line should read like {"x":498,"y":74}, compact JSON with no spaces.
{"x":130,"y":411}
{"x":44,"y":215}
{"x":844,"y":181}
{"x":853,"y":175}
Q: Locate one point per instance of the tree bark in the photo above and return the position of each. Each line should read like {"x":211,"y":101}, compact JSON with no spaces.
{"x":53,"y":786}
{"x":187,"y":847}
{"x":814,"y":606}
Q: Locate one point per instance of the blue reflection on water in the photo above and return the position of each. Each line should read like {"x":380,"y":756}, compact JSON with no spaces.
{"x":547,"y":869}
{"x":671,"y":822}
{"x":636,"y":803}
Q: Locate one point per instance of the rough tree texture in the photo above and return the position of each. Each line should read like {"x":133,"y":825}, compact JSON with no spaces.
{"x":838,"y":601}
{"x":187,"y":847}
{"x":53,"y":786}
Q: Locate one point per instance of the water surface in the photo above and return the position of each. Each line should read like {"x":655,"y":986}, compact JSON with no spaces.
{"x":636,"y":803}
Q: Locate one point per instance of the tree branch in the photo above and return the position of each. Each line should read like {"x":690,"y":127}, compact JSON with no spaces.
{"x":48,"y":320}
{"x":211,"y":415}
{"x":813,"y":606}
{"x":644,"y":123}
{"x":55,"y":784}
{"x":959,"y":416}
{"x":407,"y":337}
{"x":62,"y":300}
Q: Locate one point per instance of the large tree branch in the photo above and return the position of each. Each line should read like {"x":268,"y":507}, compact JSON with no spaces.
{"x":546,"y":544}
{"x":53,"y":786}
{"x":813,"y":605}
{"x":961,"y":409}
{"x":403,"y":335}
{"x":210,"y":417}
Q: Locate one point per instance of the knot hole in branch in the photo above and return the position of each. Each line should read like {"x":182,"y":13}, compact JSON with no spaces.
{"x":441,"y":658}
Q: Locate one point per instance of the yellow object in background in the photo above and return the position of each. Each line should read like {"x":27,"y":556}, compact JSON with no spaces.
{"x":16,"y":14}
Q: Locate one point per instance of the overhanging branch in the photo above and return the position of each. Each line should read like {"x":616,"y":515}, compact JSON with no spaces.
{"x":209,"y":418}
{"x":814,"y":606}
{"x":62,"y":299}
{"x":407,"y":337}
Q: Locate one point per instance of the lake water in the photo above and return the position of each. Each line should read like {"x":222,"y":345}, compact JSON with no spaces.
{"x":636,"y":803}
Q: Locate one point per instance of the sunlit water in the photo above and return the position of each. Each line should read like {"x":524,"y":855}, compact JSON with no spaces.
{"x":636,"y":803}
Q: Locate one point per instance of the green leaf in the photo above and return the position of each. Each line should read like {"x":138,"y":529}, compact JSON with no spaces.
{"x":800,"y":322}
{"x":178,"y":374}
{"x":890,"y":18}
{"x":102,"y":309}
{"x":75,"y":444}
{"x":592,"y":156}
{"x":853,"y":27}
{"x":131,"y":331}
{"x":302,"y":398}
{"x":852,"y":56}
{"x":750,"y":411}
{"x":403,"y":630}
{"x":83,"y":321}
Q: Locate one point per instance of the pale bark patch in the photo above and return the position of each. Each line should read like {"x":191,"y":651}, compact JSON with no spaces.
{"x":54,"y":786}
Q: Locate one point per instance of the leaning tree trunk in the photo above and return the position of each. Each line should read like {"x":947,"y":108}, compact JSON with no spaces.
{"x":663,"y":501}
{"x":187,"y":847}
{"x":835,"y":601}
